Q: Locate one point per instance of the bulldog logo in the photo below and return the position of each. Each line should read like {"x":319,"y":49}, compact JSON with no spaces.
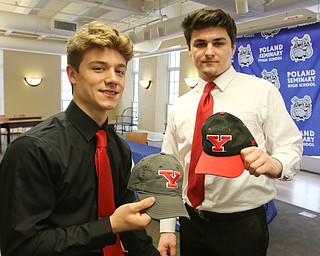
{"x":245,"y":56}
{"x":269,"y":33}
{"x":301,"y":108}
{"x":301,"y":48}
{"x":271,"y":76}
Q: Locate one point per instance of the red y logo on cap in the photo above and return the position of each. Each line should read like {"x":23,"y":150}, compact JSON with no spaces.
{"x":218,"y":141}
{"x":171,"y":176}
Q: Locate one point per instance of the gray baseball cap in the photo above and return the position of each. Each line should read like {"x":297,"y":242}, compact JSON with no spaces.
{"x":159,"y":176}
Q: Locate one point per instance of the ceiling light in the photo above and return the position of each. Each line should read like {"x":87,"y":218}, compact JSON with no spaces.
{"x":133,"y":37}
{"x":242,"y":6}
{"x":146,"y":33}
{"x":162,"y":29}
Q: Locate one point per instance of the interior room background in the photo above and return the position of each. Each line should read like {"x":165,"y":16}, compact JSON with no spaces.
{"x":45,"y":100}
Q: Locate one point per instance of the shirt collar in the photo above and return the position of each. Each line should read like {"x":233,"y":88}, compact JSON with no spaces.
{"x":83,"y":123}
{"x":221,"y":81}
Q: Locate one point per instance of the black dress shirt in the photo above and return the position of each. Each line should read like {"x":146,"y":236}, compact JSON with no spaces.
{"x":48,"y":190}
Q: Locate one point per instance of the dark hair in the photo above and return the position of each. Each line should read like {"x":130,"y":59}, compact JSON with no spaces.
{"x":209,"y":18}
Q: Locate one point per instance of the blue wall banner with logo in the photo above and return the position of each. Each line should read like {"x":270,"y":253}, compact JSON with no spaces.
{"x":290,"y":59}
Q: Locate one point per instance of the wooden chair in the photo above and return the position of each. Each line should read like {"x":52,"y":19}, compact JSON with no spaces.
{"x":17,"y":131}
{"x":3,"y":118}
{"x":19,"y":115}
{"x":3,"y":132}
{"x":140,"y":137}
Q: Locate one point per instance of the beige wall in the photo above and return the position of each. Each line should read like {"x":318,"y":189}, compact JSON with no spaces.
{"x":187,"y":69}
{"x":45,"y":99}
{"x":153,"y":101}
{"x":161,"y":93}
{"x":20,"y":98}
{"x":147,"y":69}
{"x":127,"y":97}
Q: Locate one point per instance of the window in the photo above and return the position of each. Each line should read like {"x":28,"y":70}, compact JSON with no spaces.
{"x":135,"y":103}
{"x":1,"y":83}
{"x":173,"y":85}
{"x":174,"y":79}
{"x":66,"y":89}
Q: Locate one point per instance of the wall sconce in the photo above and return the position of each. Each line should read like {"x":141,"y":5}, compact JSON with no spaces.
{"x":191,"y":81}
{"x":33,"y":81}
{"x":145,"y":83}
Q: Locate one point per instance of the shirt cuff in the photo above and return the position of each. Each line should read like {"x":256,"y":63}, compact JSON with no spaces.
{"x":288,"y":171}
{"x":168,"y":225}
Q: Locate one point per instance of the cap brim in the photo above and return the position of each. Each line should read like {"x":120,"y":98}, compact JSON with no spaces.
{"x":225,"y":166}
{"x":165,"y":206}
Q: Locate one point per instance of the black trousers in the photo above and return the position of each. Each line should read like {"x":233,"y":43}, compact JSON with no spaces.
{"x":237,"y":234}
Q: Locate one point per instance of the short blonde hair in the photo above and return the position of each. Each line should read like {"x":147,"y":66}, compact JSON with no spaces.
{"x":97,"y":35}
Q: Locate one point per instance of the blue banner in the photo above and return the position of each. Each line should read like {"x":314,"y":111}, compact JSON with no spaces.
{"x":290,"y":59}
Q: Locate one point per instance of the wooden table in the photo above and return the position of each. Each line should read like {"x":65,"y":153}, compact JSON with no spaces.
{"x":9,"y":124}
{"x":24,"y":117}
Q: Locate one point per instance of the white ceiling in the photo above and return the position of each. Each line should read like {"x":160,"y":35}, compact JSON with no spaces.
{"x":25,"y":20}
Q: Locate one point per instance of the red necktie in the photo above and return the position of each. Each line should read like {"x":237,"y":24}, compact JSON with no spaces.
{"x":196,"y":181}
{"x":106,"y":204}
